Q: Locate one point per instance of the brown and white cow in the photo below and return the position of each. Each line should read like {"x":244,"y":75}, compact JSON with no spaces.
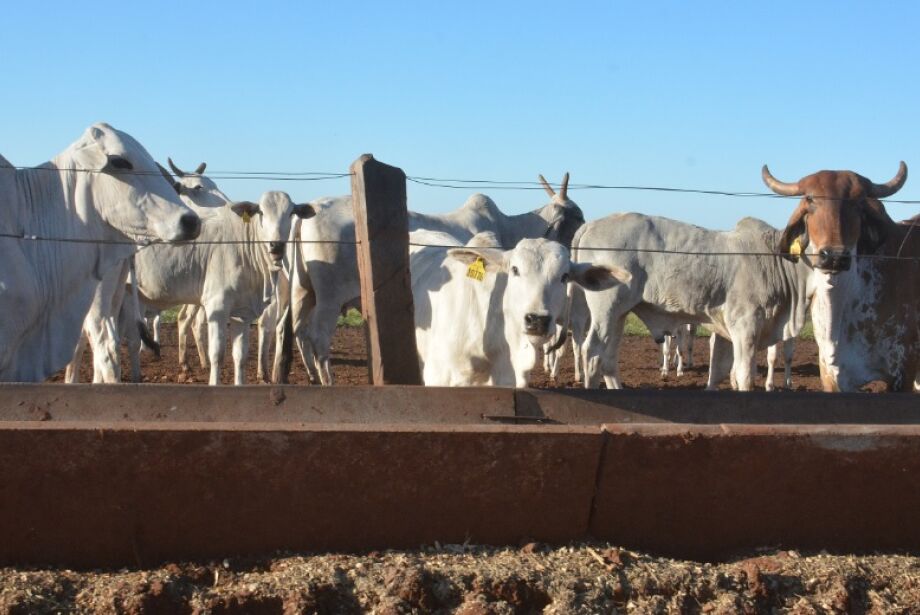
{"x":866,"y":270}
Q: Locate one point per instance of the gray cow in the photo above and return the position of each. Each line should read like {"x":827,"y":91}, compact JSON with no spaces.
{"x":751,"y":301}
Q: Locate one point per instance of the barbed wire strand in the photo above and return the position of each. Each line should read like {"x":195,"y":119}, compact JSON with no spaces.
{"x":190,"y":244}
{"x":456,"y":184}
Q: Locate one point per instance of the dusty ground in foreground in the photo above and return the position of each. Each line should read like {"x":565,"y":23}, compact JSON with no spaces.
{"x":640,"y":364}
{"x":478,"y":581}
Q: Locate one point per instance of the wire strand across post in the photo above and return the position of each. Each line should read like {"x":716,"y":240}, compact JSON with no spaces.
{"x":382,"y":236}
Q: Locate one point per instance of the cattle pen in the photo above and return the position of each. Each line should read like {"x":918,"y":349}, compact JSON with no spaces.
{"x":135,"y":475}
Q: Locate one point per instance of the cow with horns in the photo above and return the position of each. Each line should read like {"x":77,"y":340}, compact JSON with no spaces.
{"x":866,"y":269}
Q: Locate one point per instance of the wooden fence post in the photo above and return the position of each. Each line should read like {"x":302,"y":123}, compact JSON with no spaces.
{"x":382,"y":232}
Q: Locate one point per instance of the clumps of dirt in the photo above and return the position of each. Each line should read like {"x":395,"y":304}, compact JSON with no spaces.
{"x":468,"y":580}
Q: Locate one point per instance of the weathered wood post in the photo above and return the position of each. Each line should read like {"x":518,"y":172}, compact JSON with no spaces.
{"x":382,"y":232}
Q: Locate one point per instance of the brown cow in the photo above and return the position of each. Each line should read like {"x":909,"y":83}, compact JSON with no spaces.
{"x":864,"y":309}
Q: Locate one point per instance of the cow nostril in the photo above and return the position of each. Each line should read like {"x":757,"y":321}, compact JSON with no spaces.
{"x":535,"y":321}
{"x":190,"y":225}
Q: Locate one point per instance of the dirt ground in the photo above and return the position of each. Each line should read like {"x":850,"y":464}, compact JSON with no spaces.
{"x":640,"y":364}
{"x":463,"y":579}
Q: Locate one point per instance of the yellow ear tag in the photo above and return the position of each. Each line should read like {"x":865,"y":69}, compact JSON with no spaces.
{"x":796,"y":248}
{"x":477,"y":270}
{"x":246,"y":217}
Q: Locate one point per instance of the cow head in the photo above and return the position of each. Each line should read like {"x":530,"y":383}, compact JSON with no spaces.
{"x":563,"y":216}
{"x":273,"y":217}
{"x":839,"y":216}
{"x":125,"y":186}
{"x":195,"y":187}
{"x":538,"y":273}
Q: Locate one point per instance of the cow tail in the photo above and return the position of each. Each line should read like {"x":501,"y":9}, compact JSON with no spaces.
{"x":142,"y":330}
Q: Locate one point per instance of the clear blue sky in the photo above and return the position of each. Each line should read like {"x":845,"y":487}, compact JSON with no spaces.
{"x":686,"y":94}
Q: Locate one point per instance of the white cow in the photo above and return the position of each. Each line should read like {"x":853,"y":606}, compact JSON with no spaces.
{"x":325,"y":278}
{"x":200,"y":191}
{"x":472,"y":331}
{"x":234,"y":282}
{"x":681,"y":342}
{"x":105,"y":186}
{"x":103,"y":321}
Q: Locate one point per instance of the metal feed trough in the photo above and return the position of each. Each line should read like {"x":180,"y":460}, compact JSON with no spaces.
{"x":139,"y":474}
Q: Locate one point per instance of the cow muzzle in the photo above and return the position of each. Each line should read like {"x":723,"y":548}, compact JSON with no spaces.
{"x":537,"y":324}
{"x":189,"y":227}
{"x":276,"y":249}
{"x":833,"y":260}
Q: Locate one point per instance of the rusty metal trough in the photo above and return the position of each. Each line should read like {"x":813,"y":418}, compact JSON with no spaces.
{"x":139,"y":474}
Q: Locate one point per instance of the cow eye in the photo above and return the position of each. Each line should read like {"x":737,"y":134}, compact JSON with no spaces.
{"x":810,"y":199}
{"x":197,"y":188}
{"x":565,"y":278}
{"x":120,"y":163}
{"x":514,"y":271}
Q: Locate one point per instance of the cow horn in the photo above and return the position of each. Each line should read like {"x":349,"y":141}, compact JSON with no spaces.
{"x":165,"y":173}
{"x":172,"y":181}
{"x":880,"y":191}
{"x":546,"y":186}
{"x":564,"y":191}
{"x":175,"y":169}
{"x":779,"y":187}
{"x":201,"y":168}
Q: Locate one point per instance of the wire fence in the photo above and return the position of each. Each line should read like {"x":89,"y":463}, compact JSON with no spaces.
{"x":449,"y":183}
{"x":191,"y":244}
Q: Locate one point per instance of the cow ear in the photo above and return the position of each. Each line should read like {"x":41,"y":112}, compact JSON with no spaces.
{"x":874,"y":227}
{"x":598,"y":277}
{"x":493,"y":258}
{"x":304,"y":210}
{"x":89,"y":154}
{"x":795,"y":228}
{"x":244,"y":208}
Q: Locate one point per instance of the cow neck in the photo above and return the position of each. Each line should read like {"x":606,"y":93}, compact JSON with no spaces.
{"x":839,"y":304}
{"x":61,"y":204}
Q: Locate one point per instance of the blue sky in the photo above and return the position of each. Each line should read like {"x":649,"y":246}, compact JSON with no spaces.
{"x":683,"y":94}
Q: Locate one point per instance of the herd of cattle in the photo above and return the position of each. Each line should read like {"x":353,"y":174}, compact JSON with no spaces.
{"x":490,"y":291}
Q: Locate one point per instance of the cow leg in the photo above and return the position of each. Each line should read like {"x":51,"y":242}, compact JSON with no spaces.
{"x":239,"y":333}
{"x":690,"y":336}
{"x":678,"y":357}
{"x":771,"y":366}
{"x":745,"y":365}
{"x":788,"y":351}
{"x":266,"y":328}
{"x":72,"y":374}
{"x":666,"y":356}
{"x":319,"y":332}
{"x":579,"y":329}
{"x":154,"y":326}
{"x":217,"y":340}
{"x":720,"y":361}
{"x":604,"y":351}
{"x":576,"y":359}
{"x":182,"y":325}
{"x":184,"y":319}
{"x":200,"y":333}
